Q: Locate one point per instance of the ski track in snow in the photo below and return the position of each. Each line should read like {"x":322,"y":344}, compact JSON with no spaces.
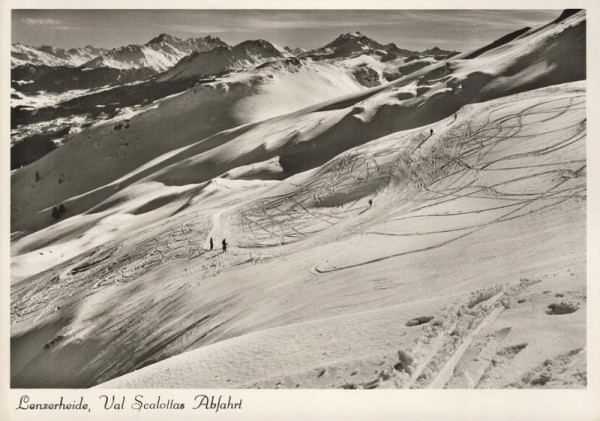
{"x":330,"y":291}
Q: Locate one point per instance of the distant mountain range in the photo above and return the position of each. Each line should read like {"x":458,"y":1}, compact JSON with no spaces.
{"x":165,"y":51}
{"x":49,"y":56}
{"x":355,"y":43}
{"x":169,"y":58}
{"x":159,"y":54}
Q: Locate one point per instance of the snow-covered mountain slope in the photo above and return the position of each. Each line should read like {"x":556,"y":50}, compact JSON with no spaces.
{"x":50,"y":56}
{"x":311,"y":275}
{"x":158,"y":54}
{"x":287,"y":85}
{"x":302,"y":140}
{"x":245,"y":55}
{"x":197,"y":114}
{"x":462,"y":158}
{"x":310,"y":82}
{"x":401,"y":67}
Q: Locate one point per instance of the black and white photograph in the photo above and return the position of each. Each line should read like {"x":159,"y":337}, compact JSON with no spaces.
{"x":298,"y":199}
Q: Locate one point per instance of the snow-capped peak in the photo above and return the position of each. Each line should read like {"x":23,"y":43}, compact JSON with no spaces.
{"x":247,"y":54}
{"x":159,"y":54}
{"x":162,"y":38}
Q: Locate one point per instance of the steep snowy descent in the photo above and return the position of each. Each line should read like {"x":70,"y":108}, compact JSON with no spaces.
{"x":303,"y":140}
{"x":364,"y":232}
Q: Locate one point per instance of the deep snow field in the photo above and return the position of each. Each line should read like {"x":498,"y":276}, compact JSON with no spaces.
{"x":467,"y":271}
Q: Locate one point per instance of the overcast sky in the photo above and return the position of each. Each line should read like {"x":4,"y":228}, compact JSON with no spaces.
{"x":414,"y":29}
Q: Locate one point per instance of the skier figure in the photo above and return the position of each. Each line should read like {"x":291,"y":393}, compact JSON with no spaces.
{"x":211,"y":243}
{"x":370,"y":202}
{"x":431,"y":132}
{"x":224,"y":242}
